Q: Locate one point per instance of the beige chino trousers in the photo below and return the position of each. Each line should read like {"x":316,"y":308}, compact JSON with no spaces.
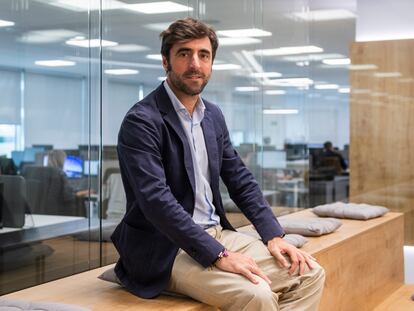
{"x":231,"y":292}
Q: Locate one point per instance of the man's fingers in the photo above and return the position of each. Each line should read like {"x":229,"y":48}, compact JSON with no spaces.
{"x":309,"y":260}
{"x":249,"y":275}
{"x":256,"y":270}
{"x":295,"y":261}
{"x":302,"y":264}
{"x":280,"y":259}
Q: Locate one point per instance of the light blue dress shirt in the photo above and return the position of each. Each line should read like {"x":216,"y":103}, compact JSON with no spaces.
{"x":204,"y":212}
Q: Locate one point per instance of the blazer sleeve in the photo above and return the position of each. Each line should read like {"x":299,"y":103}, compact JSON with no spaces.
{"x":244,"y":190}
{"x":139,"y":149}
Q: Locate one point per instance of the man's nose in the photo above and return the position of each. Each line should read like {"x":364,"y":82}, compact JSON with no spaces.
{"x":195,"y":61}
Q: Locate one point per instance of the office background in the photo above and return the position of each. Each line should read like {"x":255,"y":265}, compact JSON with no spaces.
{"x":69,"y":71}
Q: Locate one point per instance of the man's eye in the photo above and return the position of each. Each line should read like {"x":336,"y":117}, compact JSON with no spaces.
{"x":183,"y":54}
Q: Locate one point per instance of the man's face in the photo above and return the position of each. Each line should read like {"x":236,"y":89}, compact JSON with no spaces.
{"x":189,"y":67}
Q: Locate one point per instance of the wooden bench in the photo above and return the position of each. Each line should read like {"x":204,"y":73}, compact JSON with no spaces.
{"x":400,"y":300}
{"x":363,"y":262}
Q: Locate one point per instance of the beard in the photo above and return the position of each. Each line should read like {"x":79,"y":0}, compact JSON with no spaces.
{"x":188,"y":87}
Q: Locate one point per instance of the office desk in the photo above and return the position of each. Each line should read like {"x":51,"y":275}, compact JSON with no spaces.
{"x":328,"y":191}
{"x":41,"y":227}
{"x":230,"y":206}
{"x":299,"y":165}
{"x":295,"y":186}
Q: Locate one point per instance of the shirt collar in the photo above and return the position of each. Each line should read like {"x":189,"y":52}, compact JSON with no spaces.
{"x":198,"y":113}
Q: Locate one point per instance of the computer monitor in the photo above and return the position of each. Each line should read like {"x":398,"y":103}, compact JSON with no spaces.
{"x":44,"y":147}
{"x":271,"y":159}
{"x":17,"y":157}
{"x":73,"y":166}
{"x":29,"y":154}
{"x":296,"y":151}
{"x":91,"y":168}
{"x":45,"y":159}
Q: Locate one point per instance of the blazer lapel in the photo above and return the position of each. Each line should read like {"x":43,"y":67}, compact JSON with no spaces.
{"x":211,"y":145}
{"x":171,"y":117}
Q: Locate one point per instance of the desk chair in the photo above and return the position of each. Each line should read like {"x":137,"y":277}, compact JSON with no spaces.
{"x":13,"y":200}
{"x":55,"y":195}
{"x":330,"y":163}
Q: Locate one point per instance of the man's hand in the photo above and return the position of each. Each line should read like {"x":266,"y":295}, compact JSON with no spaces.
{"x":278,"y":247}
{"x":242,"y":264}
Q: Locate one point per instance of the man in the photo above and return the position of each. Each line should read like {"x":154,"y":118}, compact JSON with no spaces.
{"x":329,"y":152}
{"x":173,"y":147}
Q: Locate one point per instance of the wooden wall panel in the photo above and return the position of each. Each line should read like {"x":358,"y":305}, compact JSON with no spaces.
{"x":382,"y":127}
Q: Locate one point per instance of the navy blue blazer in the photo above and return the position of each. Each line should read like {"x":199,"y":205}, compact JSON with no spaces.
{"x":158,"y":176}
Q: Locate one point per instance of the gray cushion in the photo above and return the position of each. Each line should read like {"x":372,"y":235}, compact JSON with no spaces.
{"x":309,"y":226}
{"x":350,"y":210}
{"x":110,"y":276}
{"x":294,"y":239}
{"x":19,"y":305}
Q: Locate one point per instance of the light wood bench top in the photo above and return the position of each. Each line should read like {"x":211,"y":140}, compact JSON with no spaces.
{"x":86,"y":290}
{"x":349,"y":229}
{"x":400,"y":300}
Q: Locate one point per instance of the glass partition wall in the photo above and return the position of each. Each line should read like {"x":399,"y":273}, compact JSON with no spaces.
{"x":289,"y":76}
{"x":50,"y":122}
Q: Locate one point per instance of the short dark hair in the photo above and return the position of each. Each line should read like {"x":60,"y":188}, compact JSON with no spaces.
{"x":185,"y":30}
{"x":327,"y":145}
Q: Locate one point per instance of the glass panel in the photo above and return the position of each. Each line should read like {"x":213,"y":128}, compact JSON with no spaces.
{"x":45,"y":121}
{"x":64,"y":93}
{"x":286,"y":84}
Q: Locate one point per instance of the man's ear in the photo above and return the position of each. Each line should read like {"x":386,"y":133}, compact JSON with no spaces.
{"x":165,"y":63}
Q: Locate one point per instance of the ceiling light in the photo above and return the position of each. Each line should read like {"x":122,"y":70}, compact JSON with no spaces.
{"x":128,"y":48}
{"x":337,"y":61}
{"x":238,"y":41}
{"x":55,"y":63}
{"x":275,"y":92}
{"x":362,"y":67}
{"x":154,"y":56}
{"x":248,"y":32}
{"x":302,"y":64}
{"x":82,"y":5}
{"x":294,"y":82}
{"x":47,"y":36}
{"x":312,"y":57}
{"x":120,"y":72}
{"x":387,"y":74}
{"x":226,"y":67}
{"x":93,"y":43}
{"x":326,"y":86}
{"x":289,"y":50}
{"x":280,"y":111}
{"x":361,"y":91}
{"x":406,"y":80}
{"x":322,"y":15}
{"x":266,"y":74}
{"x":246,"y":88}
{"x":344,"y":90}
{"x":158,"y":7}
{"x":4,"y":23}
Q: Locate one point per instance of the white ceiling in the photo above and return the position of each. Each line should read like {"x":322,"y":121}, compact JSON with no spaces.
{"x":127,"y":27}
